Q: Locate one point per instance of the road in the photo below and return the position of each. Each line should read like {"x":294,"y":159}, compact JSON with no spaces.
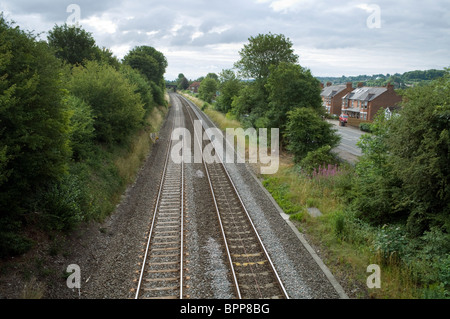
{"x":348,"y":149}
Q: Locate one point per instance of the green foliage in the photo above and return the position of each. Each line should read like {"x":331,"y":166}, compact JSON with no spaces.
{"x":208,"y":89}
{"x":262,"y":52}
{"x":400,"y":81}
{"x":365,"y":127}
{"x":322,"y":156}
{"x":251,"y":102}
{"x":64,"y":204}
{"x":150,"y":62}
{"x":12,"y":243}
{"x":390,"y":242}
{"x":81,"y":128}
{"x":280,"y":192}
{"x":290,"y":86}
{"x":229,"y":88}
{"x":404,"y":173}
{"x":158,"y":94}
{"x":73,"y":44}
{"x":34,"y":121}
{"x":117,"y":108}
{"x":143,"y":87}
{"x":183,"y":84}
{"x":420,"y":136}
{"x":306,"y":131}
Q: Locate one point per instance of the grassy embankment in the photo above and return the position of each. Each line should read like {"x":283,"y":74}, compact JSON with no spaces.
{"x":345,"y":244}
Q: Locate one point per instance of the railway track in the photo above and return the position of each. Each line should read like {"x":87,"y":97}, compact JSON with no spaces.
{"x":254,"y":275}
{"x":162,"y":268}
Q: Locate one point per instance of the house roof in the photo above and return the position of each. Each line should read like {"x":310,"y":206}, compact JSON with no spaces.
{"x":195,"y":84}
{"x":365,"y":93}
{"x":331,"y":91}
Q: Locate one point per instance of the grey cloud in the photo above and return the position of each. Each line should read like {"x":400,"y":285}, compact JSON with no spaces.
{"x":56,"y":11}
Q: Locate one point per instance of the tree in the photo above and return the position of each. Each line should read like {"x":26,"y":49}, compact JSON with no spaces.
{"x":404,"y":173}
{"x":262,"y":52}
{"x":290,"y":86}
{"x":183,"y":84}
{"x":115,"y":101}
{"x":376,"y":186}
{"x":420,"y":137}
{"x":229,"y":88}
{"x":149,"y":62}
{"x":306,"y":131}
{"x":208,"y":89}
{"x":73,"y":44}
{"x":34,"y":121}
{"x":143,"y":87}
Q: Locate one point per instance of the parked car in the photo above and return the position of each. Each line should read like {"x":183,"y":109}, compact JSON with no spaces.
{"x":343,"y":119}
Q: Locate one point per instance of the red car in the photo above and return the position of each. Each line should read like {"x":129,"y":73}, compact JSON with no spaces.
{"x":343,"y":119}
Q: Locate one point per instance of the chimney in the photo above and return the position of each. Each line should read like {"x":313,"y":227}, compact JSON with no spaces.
{"x":321,"y":85}
{"x":329,"y":83}
{"x":360,"y":84}
{"x":350,"y":86}
{"x":390,"y":87}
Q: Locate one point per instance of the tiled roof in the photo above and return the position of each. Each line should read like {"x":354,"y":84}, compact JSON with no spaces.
{"x":331,"y":91}
{"x":365,"y":93}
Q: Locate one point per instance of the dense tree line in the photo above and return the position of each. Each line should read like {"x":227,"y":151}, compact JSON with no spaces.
{"x":271,"y":90}
{"x":400,"y":81}
{"x":65,"y":106}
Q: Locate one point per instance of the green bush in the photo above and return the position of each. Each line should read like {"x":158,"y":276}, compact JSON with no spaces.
{"x":117,"y":108}
{"x":158,"y":94}
{"x":390,"y":242}
{"x":64,"y":204}
{"x":306,"y":131}
{"x":365,"y":127}
{"x":34,"y":128}
{"x":81,"y":128}
{"x":143,"y":87}
{"x":12,"y":244}
{"x":320,"y":157}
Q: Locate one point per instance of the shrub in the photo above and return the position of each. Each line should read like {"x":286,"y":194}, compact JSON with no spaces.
{"x":320,"y":157}
{"x":34,"y":121}
{"x":81,"y":128}
{"x":306,"y":131}
{"x":64,"y":204}
{"x":143,"y":87}
{"x":365,"y":127}
{"x":390,"y":242}
{"x":117,"y":108}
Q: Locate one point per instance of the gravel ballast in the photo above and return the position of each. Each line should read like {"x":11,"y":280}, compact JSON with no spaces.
{"x":109,"y":253}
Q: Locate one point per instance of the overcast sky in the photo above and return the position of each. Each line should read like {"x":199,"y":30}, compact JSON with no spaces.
{"x":332,"y":38}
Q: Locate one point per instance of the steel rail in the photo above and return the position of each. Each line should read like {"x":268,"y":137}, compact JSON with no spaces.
{"x":236,"y":284}
{"x":280,"y":283}
{"x":155,"y":213}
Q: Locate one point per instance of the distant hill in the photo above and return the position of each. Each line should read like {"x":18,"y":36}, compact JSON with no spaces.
{"x":400,"y":81}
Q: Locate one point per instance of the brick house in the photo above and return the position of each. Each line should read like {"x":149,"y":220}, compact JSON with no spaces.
{"x":363,"y":103}
{"x":194,"y":87}
{"x":332,"y":96}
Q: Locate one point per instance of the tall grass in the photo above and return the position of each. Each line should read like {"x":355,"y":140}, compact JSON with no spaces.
{"x":128,"y":164}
